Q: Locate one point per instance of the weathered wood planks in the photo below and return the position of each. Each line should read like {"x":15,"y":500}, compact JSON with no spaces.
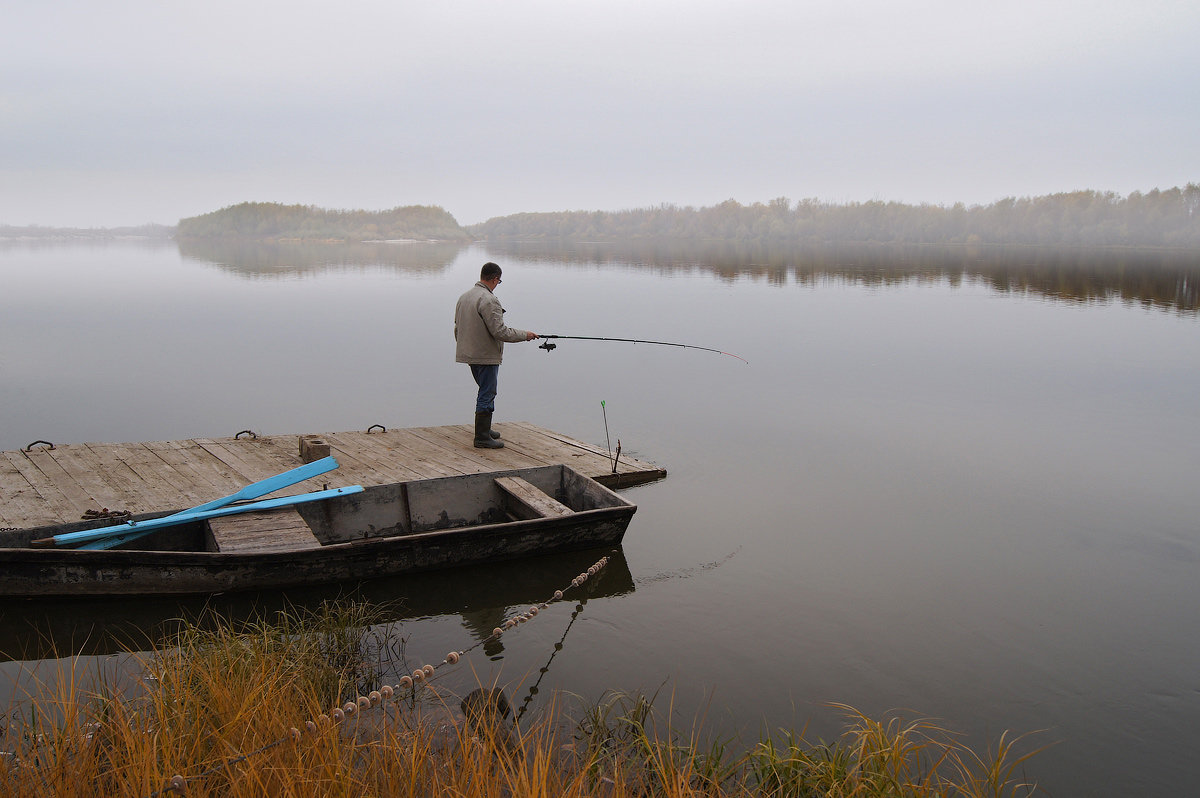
{"x":281,"y":529}
{"x":54,"y":486}
{"x":531,"y":498}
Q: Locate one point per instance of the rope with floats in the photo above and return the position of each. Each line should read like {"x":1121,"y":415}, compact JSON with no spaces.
{"x":408,"y":683}
{"x":533,"y":690}
{"x":549,"y":347}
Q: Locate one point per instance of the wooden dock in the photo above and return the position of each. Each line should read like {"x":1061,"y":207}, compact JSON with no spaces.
{"x":41,"y":485}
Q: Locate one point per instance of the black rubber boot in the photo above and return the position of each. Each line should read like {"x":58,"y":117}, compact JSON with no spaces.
{"x":491,"y":432}
{"x":483,"y":433}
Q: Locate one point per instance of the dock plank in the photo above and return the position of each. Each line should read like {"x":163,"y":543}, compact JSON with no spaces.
{"x":436,"y":452}
{"x":56,"y":504}
{"x":596,"y":458}
{"x":426,"y":457}
{"x":384,"y":464}
{"x":248,"y":464}
{"x":84,"y":473}
{"x":155,"y":478}
{"x":422,"y":457}
{"x":558,"y":439}
{"x":540,"y":446}
{"x":43,"y":486}
{"x":480,"y":459}
{"x":355,"y":465}
{"x":553,"y":441}
{"x":22,"y":499}
{"x":192,"y":463}
{"x":53,"y":471}
{"x":120,"y":484}
{"x":457,"y":458}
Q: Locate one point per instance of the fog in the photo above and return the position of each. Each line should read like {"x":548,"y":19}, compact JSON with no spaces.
{"x":151,"y":111}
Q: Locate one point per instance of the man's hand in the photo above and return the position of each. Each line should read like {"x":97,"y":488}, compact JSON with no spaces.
{"x":530,"y":336}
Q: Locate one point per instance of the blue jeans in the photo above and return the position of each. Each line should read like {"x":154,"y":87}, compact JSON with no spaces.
{"x":486,"y":377}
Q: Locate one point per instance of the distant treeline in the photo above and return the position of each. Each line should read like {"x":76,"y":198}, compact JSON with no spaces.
{"x":272,"y":221}
{"x":1078,"y":219}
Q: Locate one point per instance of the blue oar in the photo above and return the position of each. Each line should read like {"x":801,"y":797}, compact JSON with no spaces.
{"x":251,"y":491}
{"x":146,"y":527}
{"x":272,"y":484}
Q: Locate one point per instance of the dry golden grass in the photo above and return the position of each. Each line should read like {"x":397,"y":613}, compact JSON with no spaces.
{"x":247,"y":714}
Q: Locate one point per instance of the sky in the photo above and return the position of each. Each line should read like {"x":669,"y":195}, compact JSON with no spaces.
{"x":141,"y":111}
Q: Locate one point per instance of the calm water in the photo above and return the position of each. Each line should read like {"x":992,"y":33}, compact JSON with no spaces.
{"x":962,"y":484}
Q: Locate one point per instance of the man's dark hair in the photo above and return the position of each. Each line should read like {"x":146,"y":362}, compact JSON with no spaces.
{"x":489,"y":271}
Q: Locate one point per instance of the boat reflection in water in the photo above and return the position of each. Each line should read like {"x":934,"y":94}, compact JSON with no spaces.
{"x":481,"y":595}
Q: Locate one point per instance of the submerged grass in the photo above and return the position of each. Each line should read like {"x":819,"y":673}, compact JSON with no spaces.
{"x":245,"y":713}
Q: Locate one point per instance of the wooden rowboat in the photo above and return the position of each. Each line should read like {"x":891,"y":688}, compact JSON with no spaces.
{"x":384,"y":530}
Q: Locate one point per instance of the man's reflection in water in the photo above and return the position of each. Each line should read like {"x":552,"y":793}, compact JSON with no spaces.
{"x":481,"y":623}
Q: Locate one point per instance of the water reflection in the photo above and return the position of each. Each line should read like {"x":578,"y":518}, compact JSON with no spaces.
{"x":933,"y":498}
{"x":481,"y":596}
{"x":532,"y":691}
{"x":248,"y":258}
{"x":1163,"y":279}
{"x":10,"y":246}
{"x":1160,"y":279}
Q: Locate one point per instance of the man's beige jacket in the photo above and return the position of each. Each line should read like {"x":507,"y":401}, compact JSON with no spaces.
{"x":479,"y":329}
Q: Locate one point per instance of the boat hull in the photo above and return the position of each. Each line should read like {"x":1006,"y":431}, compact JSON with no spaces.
{"x":383,"y":532}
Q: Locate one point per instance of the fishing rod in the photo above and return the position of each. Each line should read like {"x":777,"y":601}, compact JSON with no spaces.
{"x":550,"y":347}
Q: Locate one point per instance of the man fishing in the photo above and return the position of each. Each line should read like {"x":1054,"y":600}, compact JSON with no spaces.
{"x":479,"y":335}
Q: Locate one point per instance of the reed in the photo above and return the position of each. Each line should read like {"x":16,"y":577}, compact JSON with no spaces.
{"x":224,"y":712}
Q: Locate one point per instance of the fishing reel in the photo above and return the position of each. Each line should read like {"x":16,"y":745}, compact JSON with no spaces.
{"x":549,"y":347}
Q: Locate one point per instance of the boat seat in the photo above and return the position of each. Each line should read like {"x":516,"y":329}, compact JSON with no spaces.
{"x":531,"y":501}
{"x":281,"y":529}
